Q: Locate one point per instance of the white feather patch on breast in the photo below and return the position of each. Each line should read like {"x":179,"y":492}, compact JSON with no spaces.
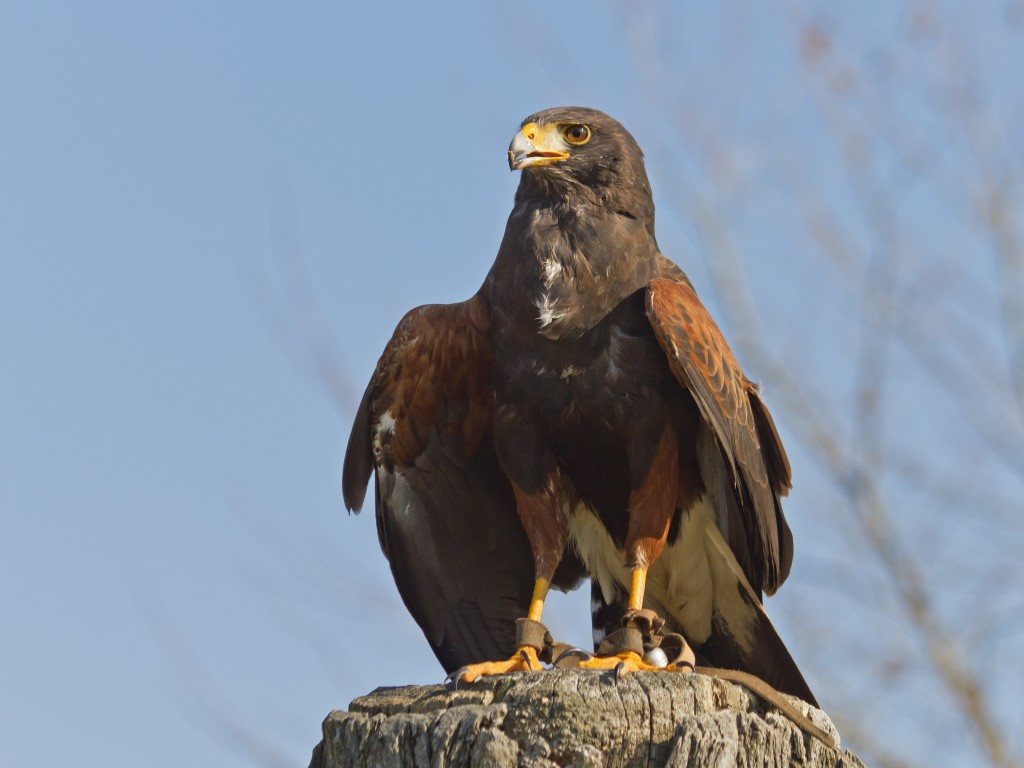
{"x":551,"y":270}
{"x":548,"y":311}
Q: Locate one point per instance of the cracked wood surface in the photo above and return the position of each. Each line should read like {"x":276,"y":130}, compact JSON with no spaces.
{"x":578,"y":718}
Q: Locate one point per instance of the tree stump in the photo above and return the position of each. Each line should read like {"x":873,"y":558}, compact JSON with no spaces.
{"x":579,"y":718}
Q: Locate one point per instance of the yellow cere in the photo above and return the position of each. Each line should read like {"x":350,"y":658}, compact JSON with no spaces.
{"x":547,"y":137}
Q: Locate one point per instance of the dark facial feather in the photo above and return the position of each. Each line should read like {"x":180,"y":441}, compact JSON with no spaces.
{"x":608,"y":170}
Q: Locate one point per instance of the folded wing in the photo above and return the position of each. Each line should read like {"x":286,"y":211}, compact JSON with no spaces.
{"x":745,"y":543}
{"x":756,"y":463}
{"x":446,"y":516}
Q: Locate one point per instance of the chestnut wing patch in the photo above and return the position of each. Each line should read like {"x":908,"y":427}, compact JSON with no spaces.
{"x":702,"y":362}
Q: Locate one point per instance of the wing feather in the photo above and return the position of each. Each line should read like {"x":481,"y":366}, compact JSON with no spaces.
{"x":446,"y":515}
{"x":702,"y":362}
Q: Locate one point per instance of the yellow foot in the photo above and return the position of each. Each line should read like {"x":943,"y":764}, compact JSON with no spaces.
{"x":628,"y":661}
{"x":523,"y":660}
{"x":622,"y":663}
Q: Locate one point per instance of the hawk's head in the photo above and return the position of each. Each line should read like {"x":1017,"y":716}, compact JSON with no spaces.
{"x":571,"y":149}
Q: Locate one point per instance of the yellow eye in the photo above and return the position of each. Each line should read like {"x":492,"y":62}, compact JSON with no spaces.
{"x":577,"y":134}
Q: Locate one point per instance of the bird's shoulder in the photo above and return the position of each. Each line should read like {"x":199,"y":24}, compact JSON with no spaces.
{"x":435,"y":373}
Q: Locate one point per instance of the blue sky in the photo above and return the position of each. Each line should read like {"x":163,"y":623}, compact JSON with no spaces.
{"x":211,"y":217}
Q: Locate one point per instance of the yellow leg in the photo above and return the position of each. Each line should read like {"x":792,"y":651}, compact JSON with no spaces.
{"x":636,"y":590}
{"x":540,"y":592}
{"x":525,"y":657}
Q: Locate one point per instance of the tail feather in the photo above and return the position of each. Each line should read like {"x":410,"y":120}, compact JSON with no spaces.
{"x":742,"y":636}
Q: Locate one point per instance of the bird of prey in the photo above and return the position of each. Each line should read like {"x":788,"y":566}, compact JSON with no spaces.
{"x":581,"y":414}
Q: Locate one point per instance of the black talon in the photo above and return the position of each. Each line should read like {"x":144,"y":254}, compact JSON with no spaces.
{"x":454,"y":678}
{"x":526,"y":658}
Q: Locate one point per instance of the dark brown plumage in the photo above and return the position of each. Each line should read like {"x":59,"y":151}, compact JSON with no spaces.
{"x":582,"y":409}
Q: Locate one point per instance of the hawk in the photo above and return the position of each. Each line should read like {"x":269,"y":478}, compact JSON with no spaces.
{"x":580,"y":415}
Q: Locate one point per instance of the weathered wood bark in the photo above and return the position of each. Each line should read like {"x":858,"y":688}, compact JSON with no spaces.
{"x":577,"y":718}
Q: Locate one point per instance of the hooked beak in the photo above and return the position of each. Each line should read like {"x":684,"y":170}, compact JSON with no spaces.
{"x":536,"y":146}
